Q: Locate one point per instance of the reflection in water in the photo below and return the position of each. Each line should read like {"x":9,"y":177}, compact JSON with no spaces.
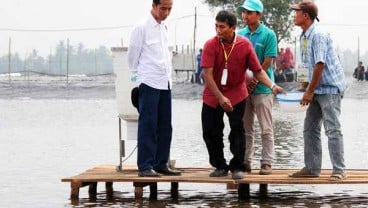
{"x":276,"y":198}
{"x":288,"y":140}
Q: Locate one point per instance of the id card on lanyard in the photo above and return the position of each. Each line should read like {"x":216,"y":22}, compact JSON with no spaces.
{"x":302,"y":74}
{"x":225,"y":72}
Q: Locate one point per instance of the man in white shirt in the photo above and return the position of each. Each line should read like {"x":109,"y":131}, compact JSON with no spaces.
{"x":149,"y":55}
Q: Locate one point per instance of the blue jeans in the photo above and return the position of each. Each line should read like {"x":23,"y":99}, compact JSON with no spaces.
{"x":154,"y":128}
{"x":326,"y":109}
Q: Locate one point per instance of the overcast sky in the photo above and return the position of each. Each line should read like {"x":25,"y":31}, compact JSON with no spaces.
{"x":22,"y":20}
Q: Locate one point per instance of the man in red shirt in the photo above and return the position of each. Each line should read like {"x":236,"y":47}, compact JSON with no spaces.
{"x":225,"y":59}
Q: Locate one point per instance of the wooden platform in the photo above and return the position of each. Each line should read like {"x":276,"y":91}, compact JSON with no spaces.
{"x":109,"y":175}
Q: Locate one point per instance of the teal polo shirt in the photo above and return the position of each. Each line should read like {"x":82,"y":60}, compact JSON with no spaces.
{"x":265,"y":44}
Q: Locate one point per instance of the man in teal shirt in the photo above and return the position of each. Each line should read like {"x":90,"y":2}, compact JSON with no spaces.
{"x":260,"y":101}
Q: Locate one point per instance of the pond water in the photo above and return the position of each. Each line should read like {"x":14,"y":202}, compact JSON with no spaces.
{"x":43,"y":140}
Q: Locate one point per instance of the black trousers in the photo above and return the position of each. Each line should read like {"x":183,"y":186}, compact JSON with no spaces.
{"x":213,"y":126}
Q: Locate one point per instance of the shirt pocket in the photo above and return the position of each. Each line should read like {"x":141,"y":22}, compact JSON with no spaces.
{"x":154,"y":47}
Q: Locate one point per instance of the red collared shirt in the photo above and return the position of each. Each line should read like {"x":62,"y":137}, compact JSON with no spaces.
{"x":241,"y":58}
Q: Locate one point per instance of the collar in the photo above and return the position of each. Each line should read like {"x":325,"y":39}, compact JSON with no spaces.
{"x":234,"y":40}
{"x":153,"y":23}
{"x":309,"y":30}
{"x":258,"y":30}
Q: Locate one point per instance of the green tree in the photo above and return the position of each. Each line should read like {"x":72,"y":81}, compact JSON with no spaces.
{"x":276,"y":15}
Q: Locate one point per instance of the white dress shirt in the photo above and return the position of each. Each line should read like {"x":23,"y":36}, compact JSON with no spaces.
{"x":149,"y":54}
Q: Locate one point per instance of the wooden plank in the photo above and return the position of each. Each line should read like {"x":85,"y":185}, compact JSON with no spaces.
{"x":107,"y":173}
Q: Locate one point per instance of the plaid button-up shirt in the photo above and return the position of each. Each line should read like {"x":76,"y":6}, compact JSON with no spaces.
{"x":320,"y":49}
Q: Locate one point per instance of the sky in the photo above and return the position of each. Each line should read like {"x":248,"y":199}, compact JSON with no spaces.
{"x":41,"y":24}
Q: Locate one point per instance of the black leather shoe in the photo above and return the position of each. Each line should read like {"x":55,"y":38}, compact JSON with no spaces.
{"x":248,"y":168}
{"x":169,"y":172}
{"x":219,"y":173}
{"x":148,"y":173}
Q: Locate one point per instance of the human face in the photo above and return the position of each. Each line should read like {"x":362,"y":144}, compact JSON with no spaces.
{"x":161,"y":11}
{"x":224,"y":31}
{"x":251,"y":17}
{"x":299,"y":17}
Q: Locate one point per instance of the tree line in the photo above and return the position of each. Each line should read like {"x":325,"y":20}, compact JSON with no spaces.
{"x":76,"y":60}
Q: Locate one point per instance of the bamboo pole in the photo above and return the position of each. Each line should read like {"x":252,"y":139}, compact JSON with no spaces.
{"x":194,"y":38}
{"x":67,"y":63}
{"x":50,"y":56}
{"x":358,"y":50}
{"x":9,"y":61}
{"x":96,"y":63}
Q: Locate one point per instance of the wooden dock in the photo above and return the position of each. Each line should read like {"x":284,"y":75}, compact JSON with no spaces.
{"x":109,"y":175}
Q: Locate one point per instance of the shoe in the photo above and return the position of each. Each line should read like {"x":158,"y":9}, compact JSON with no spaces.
{"x":169,"y":172}
{"x":337,"y":177}
{"x":265,"y":169}
{"x":148,"y":173}
{"x":248,"y":168}
{"x":237,"y":174}
{"x":219,"y":173}
{"x":303,"y":173}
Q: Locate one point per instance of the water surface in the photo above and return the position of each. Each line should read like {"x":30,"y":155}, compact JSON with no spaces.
{"x":47,"y":138}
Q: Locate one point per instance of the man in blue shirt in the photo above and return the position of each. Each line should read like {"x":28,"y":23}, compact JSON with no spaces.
{"x":260,"y":101}
{"x":323,"y":94}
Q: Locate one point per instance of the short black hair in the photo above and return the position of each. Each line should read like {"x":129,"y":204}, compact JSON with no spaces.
{"x":156,"y":2}
{"x":226,"y":16}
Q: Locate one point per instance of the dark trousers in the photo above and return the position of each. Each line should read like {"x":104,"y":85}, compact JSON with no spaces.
{"x":213,"y":126}
{"x":154,"y":128}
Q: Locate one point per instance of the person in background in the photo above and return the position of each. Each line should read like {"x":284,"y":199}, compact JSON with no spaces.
{"x":279,"y":72}
{"x":323,"y":94}
{"x":360,"y":71}
{"x":149,"y":55}
{"x":357,"y":69}
{"x":288,"y":60}
{"x":225,"y":59}
{"x":259,"y":103}
{"x":199,"y":68}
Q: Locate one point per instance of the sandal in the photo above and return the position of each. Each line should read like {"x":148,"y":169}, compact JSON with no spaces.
{"x":337,"y":177}
{"x":303,"y":173}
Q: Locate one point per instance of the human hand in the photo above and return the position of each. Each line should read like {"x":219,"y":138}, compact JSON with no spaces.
{"x":307,"y":98}
{"x":277,"y":89}
{"x":252,"y":84}
{"x":226,"y":104}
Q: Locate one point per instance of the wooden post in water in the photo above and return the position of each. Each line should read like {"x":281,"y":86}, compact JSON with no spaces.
{"x":109,"y":189}
{"x":263,"y":189}
{"x":243,"y":191}
{"x":92,"y":190}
